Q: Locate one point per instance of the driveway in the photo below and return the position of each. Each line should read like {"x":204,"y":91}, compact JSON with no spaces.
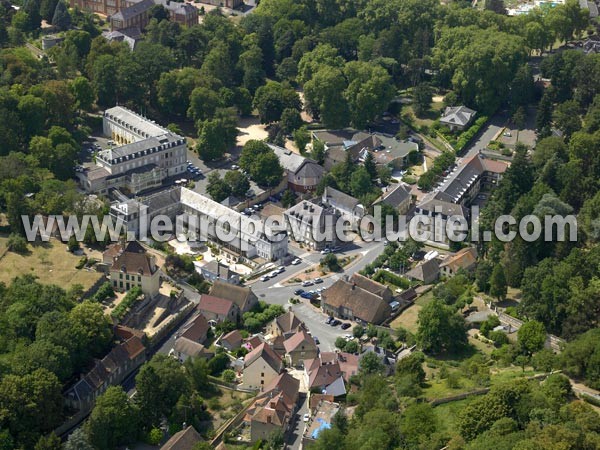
{"x":485,"y":136}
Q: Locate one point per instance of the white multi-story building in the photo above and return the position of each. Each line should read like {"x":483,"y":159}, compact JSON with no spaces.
{"x":146,"y":154}
{"x":247,"y":237}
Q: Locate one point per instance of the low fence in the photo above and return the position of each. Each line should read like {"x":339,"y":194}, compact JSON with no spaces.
{"x":454,"y":398}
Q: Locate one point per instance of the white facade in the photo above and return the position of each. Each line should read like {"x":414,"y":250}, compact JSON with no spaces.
{"x":146,"y":154}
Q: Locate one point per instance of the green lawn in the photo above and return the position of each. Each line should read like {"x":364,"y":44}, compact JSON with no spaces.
{"x":449,"y":412}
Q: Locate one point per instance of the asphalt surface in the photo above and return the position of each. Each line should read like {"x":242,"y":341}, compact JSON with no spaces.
{"x":274,"y":291}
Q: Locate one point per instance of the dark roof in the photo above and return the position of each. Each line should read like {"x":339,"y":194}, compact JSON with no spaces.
{"x":183,"y":440}
{"x":196,"y":329}
{"x":239,"y":295}
{"x":230,"y":201}
{"x":338,"y":198}
{"x":134,"y":259}
{"x":459,"y":115}
{"x":395,"y":194}
{"x":364,"y":305}
{"x":426,"y":271}
{"x":162,"y":199}
{"x":216,"y":305}
{"x":369,"y":285}
{"x":133,"y":10}
{"x":234,"y":338}
{"x":288,"y":322}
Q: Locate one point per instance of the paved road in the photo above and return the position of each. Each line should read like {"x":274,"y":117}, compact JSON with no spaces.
{"x":294,"y":439}
{"x":487,"y":134}
{"x":273,"y":291}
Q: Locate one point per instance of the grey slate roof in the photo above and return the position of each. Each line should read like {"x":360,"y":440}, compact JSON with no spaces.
{"x":457,"y":115}
{"x":426,"y":271}
{"x":395,"y":194}
{"x":133,"y":10}
{"x":337,"y":198}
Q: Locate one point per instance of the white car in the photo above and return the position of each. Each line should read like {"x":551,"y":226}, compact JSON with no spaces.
{"x":265,"y":278}
{"x":280,"y":269}
{"x":325,"y":251}
{"x":306,"y":417}
{"x":348,"y":337}
{"x":274,"y":274}
{"x":234,"y":167}
{"x":307,"y":283}
{"x":296,"y":261}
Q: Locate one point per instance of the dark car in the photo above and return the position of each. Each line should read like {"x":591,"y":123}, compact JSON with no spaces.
{"x":335,"y":323}
{"x":329,"y":320}
{"x":316,"y":340}
{"x":345,"y":326}
{"x":299,"y":292}
{"x":307,"y":295}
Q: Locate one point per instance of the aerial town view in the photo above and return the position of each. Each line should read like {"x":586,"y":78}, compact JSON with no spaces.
{"x":310,"y":224}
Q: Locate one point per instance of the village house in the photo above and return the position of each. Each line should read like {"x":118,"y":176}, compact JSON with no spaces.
{"x":243,"y":297}
{"x":387,"y":150}
{"x":183,"y":440}
{"x":303,"y":174}
{"x":215,"y":270}
{"x":231,"y":340}
{"x":134,"y":266}
{"x":190,"y":343}
{"x":300,"y":347}
{"x":311,"y":224}
{"x":457,"y":118}
{"x":285,"y":325}
{"x":465,"y":259}
{"x":218,"y":309}
{"x":111,"y":370}
{"x":324,"y":375}
{"x":261,"y":366}
{"x":273,"y":409}
{"x":396,"y":195}
{"x":346,"y":300}
{"x":344,"y":205}
{"x":426,"y":271}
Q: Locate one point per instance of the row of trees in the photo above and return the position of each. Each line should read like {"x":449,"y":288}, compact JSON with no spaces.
{"x":47,"y":338}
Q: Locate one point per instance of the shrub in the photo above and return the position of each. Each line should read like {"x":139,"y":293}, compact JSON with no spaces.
{"x":499,"y":338}
{"x":17,"y":243}
{"x":134,"y":294}
{"x":389,"y":277}
{"x":469,"y":134}
{"x":155,"y":436}
{"x":81,"y":262}
{"x":105,"y":291}
{"x":228,"y":376}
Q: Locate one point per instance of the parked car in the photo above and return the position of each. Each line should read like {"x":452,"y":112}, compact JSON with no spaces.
{"x":335,"y":322}
{"x":307,"y":283}
{"x":325,"y":251}
{"x":265,"y":278}
{"x":280,"y":269}
{"x":234,"y":167}
{"x":306,"y":417}
{"x":274,"y":274}
{"x":296,"y":261}
{"x":318,"y":280}
{"x":329,"y":320}
{"x":316,"y":340}
{"x":345,"y":326}
{"x":298,"y":291}
{"x":348,"y":337}
{"x":307,"y":295}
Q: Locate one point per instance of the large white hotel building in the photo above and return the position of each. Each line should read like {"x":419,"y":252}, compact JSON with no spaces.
{"x":145,"y":155}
